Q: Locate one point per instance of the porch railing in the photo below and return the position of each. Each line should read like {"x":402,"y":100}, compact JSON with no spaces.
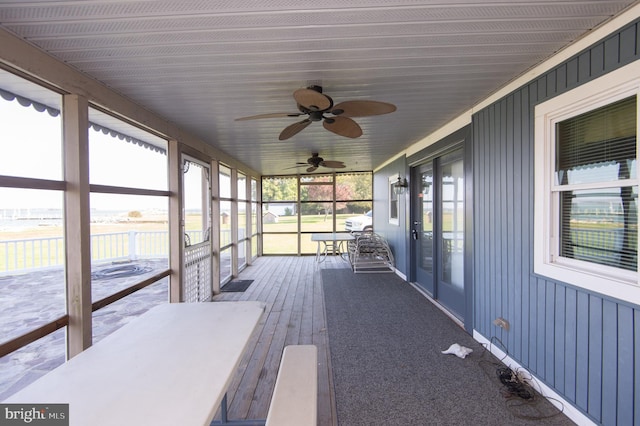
{"x":37,"y":253}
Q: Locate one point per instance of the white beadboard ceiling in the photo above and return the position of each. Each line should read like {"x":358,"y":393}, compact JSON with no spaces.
{"x":203,"y":63}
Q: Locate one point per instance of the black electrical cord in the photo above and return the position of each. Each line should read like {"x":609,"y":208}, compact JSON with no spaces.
{"x":514,"y":385}
{"x":520,"y":397}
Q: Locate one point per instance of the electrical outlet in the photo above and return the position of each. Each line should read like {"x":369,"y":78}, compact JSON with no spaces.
{"x":502,"y":323}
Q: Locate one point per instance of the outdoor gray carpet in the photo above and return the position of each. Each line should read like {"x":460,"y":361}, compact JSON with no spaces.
{"x":386,"y":342}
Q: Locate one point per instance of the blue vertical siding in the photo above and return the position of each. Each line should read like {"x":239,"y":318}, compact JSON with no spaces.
{"x":625,"y":359}
{"x":582,"y":357}
{"x":396,"y":235}
{"x":595,"y":349}
{"x":636,"y":363}
{"x":583,"y":345}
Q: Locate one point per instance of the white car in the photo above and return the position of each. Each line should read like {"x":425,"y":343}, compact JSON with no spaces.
{"x":359,"y":223}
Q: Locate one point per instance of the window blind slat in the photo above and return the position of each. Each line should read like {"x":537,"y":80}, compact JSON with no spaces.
{"x":599,"y":225}
{"x":599,"y":145}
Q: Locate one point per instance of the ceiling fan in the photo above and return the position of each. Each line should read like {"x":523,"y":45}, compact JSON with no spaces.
{"x":316,"y":161}
{"x":319,"y":107}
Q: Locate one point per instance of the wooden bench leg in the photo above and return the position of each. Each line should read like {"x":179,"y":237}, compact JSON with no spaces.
{"x":224,"y":420}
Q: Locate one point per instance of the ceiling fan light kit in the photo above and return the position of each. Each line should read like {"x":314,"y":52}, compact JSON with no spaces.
{"x":313,"y":103}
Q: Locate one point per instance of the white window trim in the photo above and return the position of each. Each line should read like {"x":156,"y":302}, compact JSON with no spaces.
{"x":602,"y":91}
{"x":392,"y":180}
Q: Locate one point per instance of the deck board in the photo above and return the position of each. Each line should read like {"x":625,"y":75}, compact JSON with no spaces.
{"x":291,"y":288}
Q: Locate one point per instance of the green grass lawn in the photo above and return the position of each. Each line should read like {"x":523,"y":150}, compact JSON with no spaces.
{"x":288,"y":243}
{"x":37,"y":253}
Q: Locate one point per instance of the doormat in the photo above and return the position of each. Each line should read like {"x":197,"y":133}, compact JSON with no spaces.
{"x":236,"y":286}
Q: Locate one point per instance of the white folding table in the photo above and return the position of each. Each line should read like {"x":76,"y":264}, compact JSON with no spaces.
{"x":332,"y":243}
{"x":170,"y":366}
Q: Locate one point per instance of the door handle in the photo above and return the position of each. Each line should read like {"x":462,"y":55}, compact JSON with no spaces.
{"x":416,"y":223}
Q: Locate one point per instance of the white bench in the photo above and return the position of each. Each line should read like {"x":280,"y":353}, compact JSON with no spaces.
{"x":295,"y":397}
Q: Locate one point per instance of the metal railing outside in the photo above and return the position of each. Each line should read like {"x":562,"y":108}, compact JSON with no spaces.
{"x":37,"y":253}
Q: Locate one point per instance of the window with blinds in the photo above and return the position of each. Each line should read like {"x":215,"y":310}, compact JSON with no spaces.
{"x":595,"y":185}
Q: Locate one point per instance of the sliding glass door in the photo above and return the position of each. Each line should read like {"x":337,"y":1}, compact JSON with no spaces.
{"x":438,"y":229}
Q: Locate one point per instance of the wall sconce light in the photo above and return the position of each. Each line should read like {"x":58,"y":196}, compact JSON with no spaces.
{"x":400,"y":186}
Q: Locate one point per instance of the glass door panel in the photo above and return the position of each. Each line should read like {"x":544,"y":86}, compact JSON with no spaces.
{"x":452,"y":222}
{"x":422,"y":231}
{"x":451,"y":212}
{"x":438,"y":229}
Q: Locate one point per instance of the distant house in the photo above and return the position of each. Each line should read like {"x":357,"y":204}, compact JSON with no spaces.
{"x":270,"y":217}
{"x":225,"y":218}
{"x":287,"y":209}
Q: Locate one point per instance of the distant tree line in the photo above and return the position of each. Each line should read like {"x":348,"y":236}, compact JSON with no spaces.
{"x":318,"y":199}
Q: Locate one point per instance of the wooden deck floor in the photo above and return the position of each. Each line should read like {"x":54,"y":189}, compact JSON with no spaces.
{"x":291,"y":288}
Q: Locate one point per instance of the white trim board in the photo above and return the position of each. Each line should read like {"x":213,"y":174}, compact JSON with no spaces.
{"x":568,"y":409}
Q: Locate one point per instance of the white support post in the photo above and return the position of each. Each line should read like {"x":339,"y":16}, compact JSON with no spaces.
{"x":75,"y":132}
{"x":176,"y":222}
{"x":234,"y":222}
{"x":215,"y":226}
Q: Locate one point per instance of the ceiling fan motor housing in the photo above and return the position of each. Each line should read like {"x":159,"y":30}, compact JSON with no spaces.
{"x":315,"y":160}
{"x":316,"y":115}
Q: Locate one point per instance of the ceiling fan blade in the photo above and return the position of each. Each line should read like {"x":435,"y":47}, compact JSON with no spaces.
{"x":343,"y":126}
{"x":333,"y":164}
{"x":312,"y":100}
{"x":271,"y":115}
{"x":296,"y":166}
{"x":362,"y":108}
{"x":311,"y":169}
{"x":294,"y":129}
